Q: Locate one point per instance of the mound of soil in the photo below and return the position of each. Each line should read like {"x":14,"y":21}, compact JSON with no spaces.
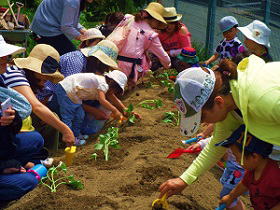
{"x":131,"y":177}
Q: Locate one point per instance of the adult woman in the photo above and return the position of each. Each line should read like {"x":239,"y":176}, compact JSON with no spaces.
{"x":56,"y":22}
{"x":43,"y":61}
{"x":230,"y":96}
{"x":135,"y":36}
{"x":257,"y":39}
{"x":174,"y":37}
{"x":18,"y":151}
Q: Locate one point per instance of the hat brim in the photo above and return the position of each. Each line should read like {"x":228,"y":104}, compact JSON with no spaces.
{"x":247,"y":33}
{"x":179,"y":17}
{"x":9,"y":49}
{"x":190,"y":125}
{"x":34,"y":64}
{"x":156,"y":15}
{"x":186,"y":59}
{"x":86,"y":50}
{"x":94,"y":37}
{"x":105,"y":59}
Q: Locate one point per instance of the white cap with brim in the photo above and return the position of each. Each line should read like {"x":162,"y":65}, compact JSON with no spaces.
{"x":193,"y":88}
{"x":257,"y":31}
{"x":119,"y":77}
{"x":9,"y":49}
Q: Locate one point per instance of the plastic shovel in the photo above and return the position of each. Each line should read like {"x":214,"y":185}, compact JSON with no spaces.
{"x":189,"y":141}
{"x":160,"y":203}
{"x":69,"y":155}
{"x":178,"y":152}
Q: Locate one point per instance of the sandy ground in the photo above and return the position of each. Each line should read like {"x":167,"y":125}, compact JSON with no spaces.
{"x":131,"y":177}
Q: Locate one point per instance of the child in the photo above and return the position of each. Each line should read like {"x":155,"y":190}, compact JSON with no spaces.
{"x":233,"y":172}
{"x":257,"y":39}
{"x":262,"y":174}
{"x":88,"y":86}
{"x":186,"y":59}
{"x":230,"y":45}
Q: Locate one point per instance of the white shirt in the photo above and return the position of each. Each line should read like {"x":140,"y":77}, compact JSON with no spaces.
{"x":84,"y":86}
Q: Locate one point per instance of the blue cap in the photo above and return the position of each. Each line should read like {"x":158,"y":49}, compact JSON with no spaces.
{"x":253,"y":144}
{"x":227,"y":23}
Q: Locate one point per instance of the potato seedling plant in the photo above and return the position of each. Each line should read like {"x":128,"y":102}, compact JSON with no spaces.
{"x":172,"y":117}
{"x":151,"y":104}
{"x":56,"y":176}
{"x":109,"y":139}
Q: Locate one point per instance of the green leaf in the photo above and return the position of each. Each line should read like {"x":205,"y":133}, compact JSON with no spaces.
{"x":167,"y":121}
{"x":147,"y":106}
{"x":94,"y":156}
{"x":158,"y":103}
{"x":63,"y":167}
{"x":98,"y":146}
{"x":75,"y":184}
{"x":132,"y":119}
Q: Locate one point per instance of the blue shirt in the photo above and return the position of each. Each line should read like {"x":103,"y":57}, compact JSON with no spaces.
{"x":71,"y":63}
{"x":56,"y":17}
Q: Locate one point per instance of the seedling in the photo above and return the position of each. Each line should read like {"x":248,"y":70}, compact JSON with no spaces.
{"x":129,"y":113}
{"x":151,"y":104}
{"x":171,"y":117}
{"x":109,"y":139}
{"x":56,"y":176}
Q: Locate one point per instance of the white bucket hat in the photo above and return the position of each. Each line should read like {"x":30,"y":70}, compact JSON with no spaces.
{"x":257,"y":31}
{"x":119,"y":77}
{"x":9,"y":49}
{"x":193,"y":88}
{"x":93,"y":33}
{"x":170,"y":15}
{"x":106,"y":51}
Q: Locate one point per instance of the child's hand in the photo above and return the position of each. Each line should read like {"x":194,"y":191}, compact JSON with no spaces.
{"x":117,"y":115}
{"x":201,"y":135}
{"x":227,"y":199}
{"x":8,"y":119}
{"x":194,"y":147}
{"x":14,"y":170}
{"x":138,"y":116}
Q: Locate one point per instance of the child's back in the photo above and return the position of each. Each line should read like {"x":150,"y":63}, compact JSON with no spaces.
{"x":84,"y":86}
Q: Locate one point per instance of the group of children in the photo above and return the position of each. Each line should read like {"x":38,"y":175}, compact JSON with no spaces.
{"x":83,"y":87}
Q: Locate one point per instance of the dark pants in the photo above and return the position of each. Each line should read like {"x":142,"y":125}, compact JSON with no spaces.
{"x":61,"y":43}
{"x":29,"y":147}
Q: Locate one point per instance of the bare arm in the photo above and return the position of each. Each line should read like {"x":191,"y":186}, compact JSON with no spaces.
{"x":212,"y":59}
{"x":115,"y":101}
{"x":103,"y":101}
{"x":46,"y":115}
{"x":97,"y":113}
{"x":236,"y":192}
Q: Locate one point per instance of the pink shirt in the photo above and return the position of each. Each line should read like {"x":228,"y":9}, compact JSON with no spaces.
{"x":177,"y":41}
{"x":141,"y":39}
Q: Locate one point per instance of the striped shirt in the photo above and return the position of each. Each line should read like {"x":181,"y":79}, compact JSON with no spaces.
{"x":71,"y":63}
{"x":14,"y":77}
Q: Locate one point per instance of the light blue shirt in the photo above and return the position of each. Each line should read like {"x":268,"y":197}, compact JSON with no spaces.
{"x":56,"y":17}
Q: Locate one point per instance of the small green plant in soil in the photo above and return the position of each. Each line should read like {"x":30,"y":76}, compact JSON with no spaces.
{"x":151,"y":104}
{"x":107,"y":140}
{"x":56,"y":176}
{"x":130,"y":115}
{"x":172,"y":117}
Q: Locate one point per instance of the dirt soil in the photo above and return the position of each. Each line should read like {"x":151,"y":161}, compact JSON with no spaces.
{"x":131,"y":177}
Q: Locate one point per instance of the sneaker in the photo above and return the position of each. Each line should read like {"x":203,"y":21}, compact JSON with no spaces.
{"x":79,"y":142}
{"x":47,"y":162}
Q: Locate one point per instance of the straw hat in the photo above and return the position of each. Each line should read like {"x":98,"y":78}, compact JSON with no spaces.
{"x":257,"y":31}
{"x":93,"y":33}
{"x":170,"y":15}
{"x":44,"y":60}
{"x":106,"y":51}
{"x":8,"y":49}
{"x":156,"y":10}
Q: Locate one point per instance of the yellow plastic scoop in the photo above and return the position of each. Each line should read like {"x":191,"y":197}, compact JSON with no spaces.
{"x":69,"y":155}
{"x":160,"y":203}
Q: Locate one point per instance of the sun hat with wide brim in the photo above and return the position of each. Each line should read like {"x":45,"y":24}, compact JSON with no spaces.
{"x":106,"y":51}
{"x":93,"y":33}
{"x":257,"y":31}
{"x":156,"y":10}
{"x":170,"y":15}
{"x":119,"y":77}
{"x":44,"y":60}
{"x":9,"y":49}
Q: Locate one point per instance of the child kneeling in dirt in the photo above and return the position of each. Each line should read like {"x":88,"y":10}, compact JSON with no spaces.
{"x":233,"y":172}
{"x":262,"y":173}
{"x":88,"y":86}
